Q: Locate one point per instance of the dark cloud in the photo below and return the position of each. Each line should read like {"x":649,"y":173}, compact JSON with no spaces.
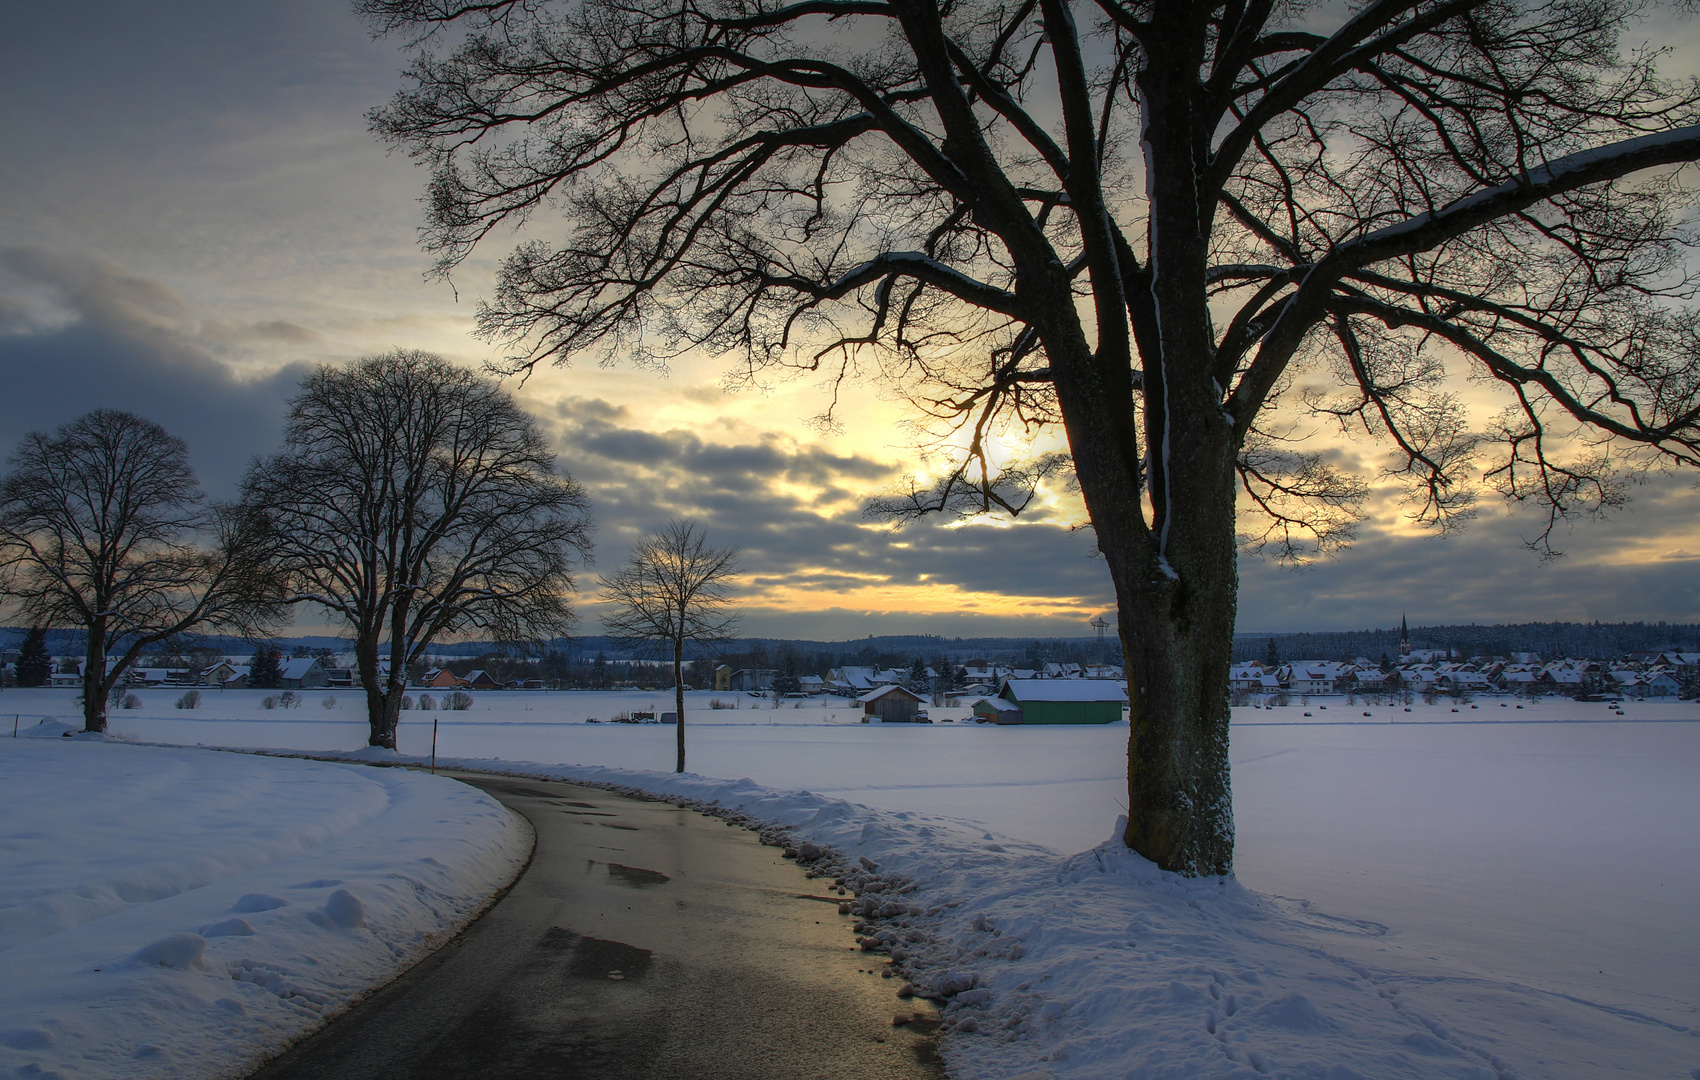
{"x":1644,"y":563}
{"x":77,"y":335}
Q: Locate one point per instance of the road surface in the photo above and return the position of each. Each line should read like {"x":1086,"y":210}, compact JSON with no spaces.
{"x":644,"y":942}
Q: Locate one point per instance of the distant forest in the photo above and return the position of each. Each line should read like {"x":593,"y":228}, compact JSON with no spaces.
{"x":1596,"y":640}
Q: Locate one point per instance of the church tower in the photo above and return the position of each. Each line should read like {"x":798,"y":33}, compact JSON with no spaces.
{"x":1404,"y":637}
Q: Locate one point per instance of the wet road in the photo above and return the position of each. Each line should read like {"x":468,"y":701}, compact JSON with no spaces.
{"x":644,"y":941}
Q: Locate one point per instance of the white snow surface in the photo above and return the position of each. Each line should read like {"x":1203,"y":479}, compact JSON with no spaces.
{"x":187,"y":913}
{"x":1494,"y":892}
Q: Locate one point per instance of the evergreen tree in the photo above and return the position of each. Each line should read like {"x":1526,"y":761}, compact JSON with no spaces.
{"x":918,"y":674}
{"x":787,"y":682}
{"x":264,"y":671}
{"x":35,"y":667}
{"x":1271,"y":657}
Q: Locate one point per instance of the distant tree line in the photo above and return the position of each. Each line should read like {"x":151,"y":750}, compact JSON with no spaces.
{"x":1549,"y":639}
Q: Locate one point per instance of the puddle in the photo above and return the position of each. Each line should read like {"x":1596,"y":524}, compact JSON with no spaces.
{"x":613,"y":960}
{"x":636,"y":876}
{"x":596,"y":958}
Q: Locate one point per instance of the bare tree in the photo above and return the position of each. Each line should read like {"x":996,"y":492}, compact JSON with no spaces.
{"x":673,"y":589}
{"x":100,"y":528}
{"x":415,"y":500}
{"x":1149,"y":223}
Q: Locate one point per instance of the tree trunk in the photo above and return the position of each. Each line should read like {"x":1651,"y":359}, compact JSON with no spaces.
{"x":679,"y":698}
{"x":95,"y":687}
{"x":1177,"y":645}
{"x":383,"y":711}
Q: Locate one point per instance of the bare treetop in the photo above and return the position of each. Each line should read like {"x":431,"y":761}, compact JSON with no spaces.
{"x":675,"y":586}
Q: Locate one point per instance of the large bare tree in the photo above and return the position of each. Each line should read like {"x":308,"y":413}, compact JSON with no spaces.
{"x":414,"y":500}
{"x":1180,"y":231}
{"x":673,"y":588}
{"x":104,"y":527}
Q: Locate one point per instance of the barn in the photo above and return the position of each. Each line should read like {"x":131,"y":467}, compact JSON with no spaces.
{"x":890,"y":705}
{"x":1066,"y":701}
{"x":997,"y":711}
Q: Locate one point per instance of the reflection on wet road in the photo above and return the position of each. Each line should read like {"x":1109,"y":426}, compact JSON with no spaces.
{"x":644,"y":941}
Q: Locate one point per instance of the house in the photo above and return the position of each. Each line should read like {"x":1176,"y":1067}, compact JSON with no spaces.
{"x":440,"y":678}
{"x":997,"y":711}
{"x":1659,"y":684}
{"x":1253,"y":679}
{"x":890,"y":704}
{"x":1065,"y":701}
{"x":756,"y":679}
{"x":480,"y":679}
{"x":723,"y":677}
{"x":1369,"y":679}
{"x":225,"y":675}
{"x":343,"y":676}
{"x":302,"y":673}
{"x":1245,"y":677}
{"x":811,"y":685}
{"x":1315,"y":676}
{"x":1461,"y":679}
{"x":148,"y":676}
{"x":1518,"y":680}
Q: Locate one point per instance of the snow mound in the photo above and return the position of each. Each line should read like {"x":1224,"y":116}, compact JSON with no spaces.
{"x":187,"y":913}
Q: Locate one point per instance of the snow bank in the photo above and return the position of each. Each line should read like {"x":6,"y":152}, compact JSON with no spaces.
{"x":186,"y":913}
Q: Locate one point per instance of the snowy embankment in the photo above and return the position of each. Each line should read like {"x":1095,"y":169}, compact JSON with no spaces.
{"x":186,"y":913}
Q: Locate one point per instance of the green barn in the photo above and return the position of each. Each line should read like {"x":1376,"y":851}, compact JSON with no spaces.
{"x":1066,"y":701}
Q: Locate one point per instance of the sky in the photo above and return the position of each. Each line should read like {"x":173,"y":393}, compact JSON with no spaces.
{"x":192,"y":213}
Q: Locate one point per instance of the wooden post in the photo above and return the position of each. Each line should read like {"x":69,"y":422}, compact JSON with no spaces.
{"x":433,"y":745}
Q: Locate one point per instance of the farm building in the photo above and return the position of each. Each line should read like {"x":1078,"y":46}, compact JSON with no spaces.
{"x":481,"y":680}
{"x":890,"y":704}
{"x":1065,"y":701}
{"x":303,"y":673}
{"x":997,"y":710}
{"x":441,"y":679}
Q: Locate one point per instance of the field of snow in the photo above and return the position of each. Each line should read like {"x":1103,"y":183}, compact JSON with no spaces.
{"x":1489,"y":892}
{"x":184,"y":913}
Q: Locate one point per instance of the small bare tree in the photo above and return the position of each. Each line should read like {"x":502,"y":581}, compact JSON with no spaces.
{"x":672,"y":590}
{"x":414,"y":500}
{"x":100,"y":527}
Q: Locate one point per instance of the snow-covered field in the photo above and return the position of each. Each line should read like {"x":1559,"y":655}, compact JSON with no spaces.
{"x":184,"y":913}
{"x":1489,"y":892}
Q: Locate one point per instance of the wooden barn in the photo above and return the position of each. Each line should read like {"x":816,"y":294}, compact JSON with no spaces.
{"x":1066,"y":701}
{"x":890,"y":705}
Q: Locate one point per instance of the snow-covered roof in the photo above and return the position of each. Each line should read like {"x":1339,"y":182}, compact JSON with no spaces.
{"x":881,"y":691}
{"x":297,"y":668}
{"x":1063,"y":690}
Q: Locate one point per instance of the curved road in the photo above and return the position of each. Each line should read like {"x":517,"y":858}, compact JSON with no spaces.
{"x":643,"y":941}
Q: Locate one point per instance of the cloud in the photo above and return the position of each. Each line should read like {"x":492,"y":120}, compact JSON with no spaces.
{"x":80,"y":334}
{"x":1637,"y":565}
{"x":814,"y":565}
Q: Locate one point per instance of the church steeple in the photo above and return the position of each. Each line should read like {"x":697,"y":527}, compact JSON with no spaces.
{"x":1404,"y":636}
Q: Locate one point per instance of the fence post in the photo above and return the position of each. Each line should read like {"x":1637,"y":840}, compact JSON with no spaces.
{"x":433,"y":745}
